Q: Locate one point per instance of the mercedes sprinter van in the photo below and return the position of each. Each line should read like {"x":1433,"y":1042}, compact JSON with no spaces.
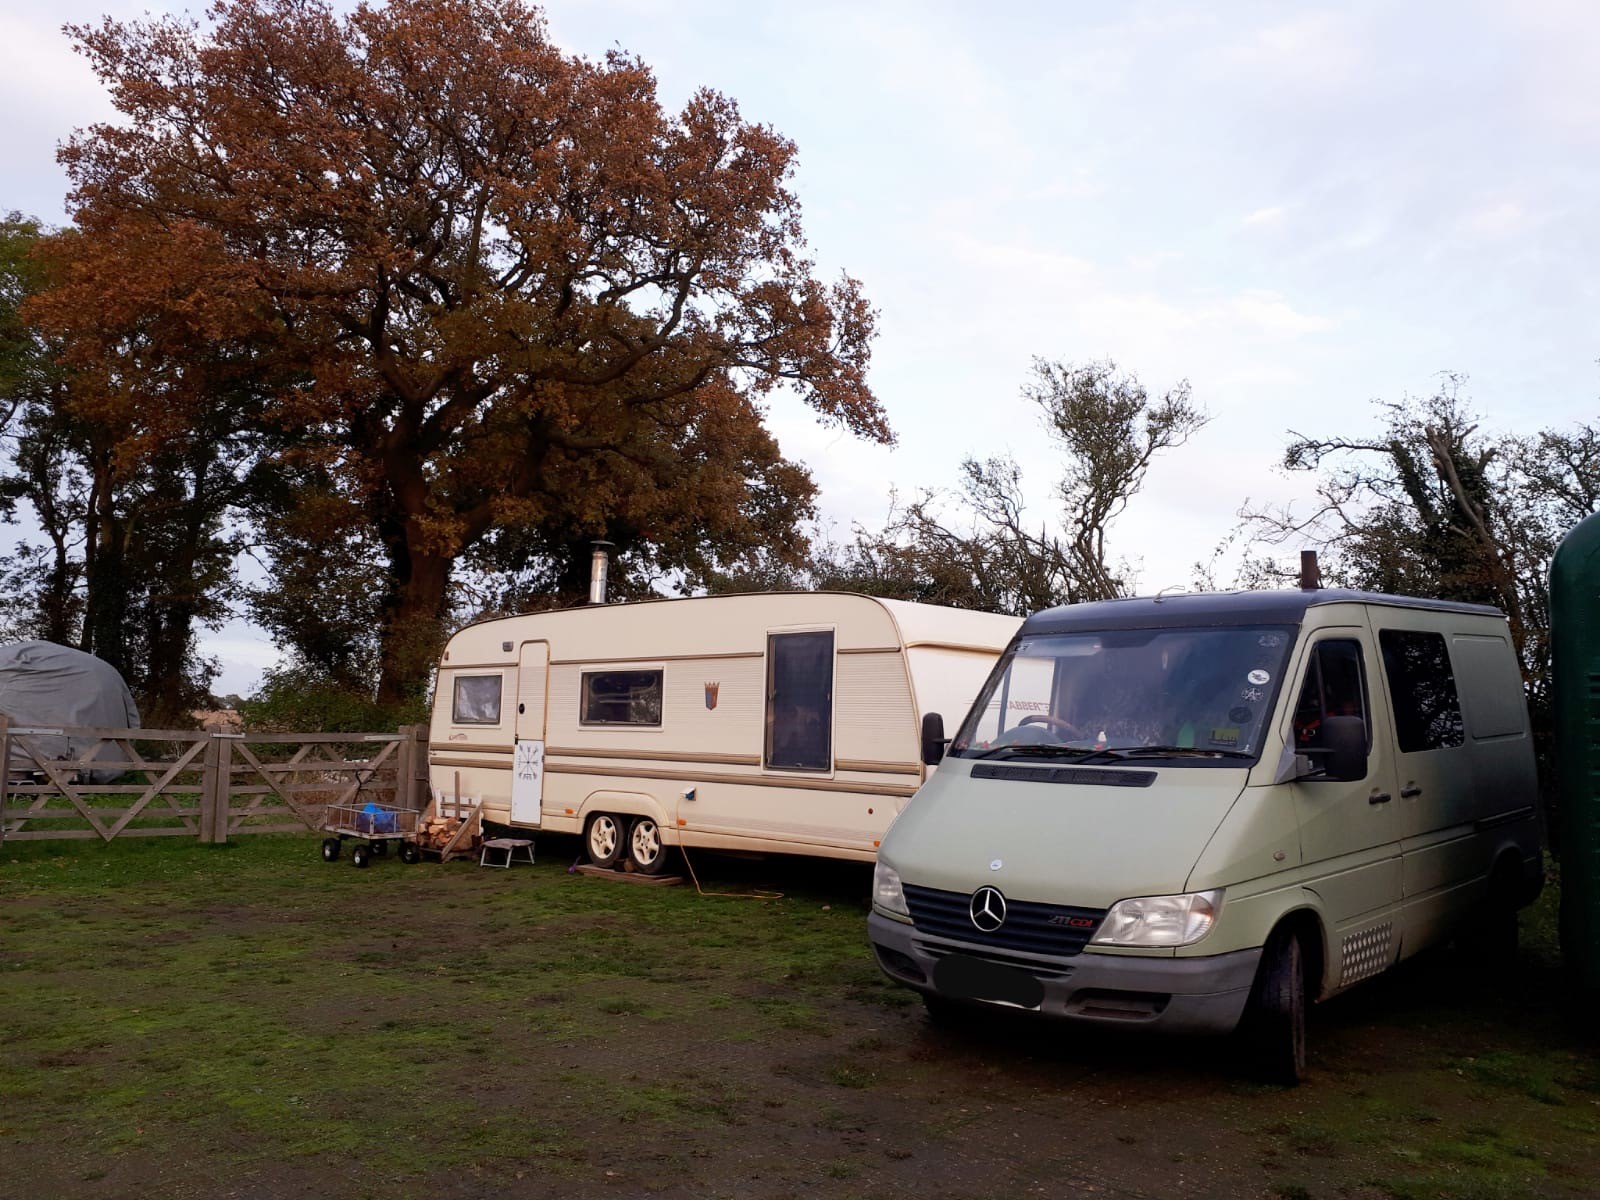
{"x":1199,"y":813}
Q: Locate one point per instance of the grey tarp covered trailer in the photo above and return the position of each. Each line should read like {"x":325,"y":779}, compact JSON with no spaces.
{"x":43,"y":684}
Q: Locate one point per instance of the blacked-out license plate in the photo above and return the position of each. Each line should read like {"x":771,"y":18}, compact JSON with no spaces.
{"x":962,"y":977}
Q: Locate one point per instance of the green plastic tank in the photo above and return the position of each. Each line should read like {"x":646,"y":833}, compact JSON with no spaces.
{"x":1575,"y":666}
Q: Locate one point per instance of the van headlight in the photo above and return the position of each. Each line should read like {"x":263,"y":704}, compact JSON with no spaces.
{"x":1159,"y":920}
{"x":887,"y":894}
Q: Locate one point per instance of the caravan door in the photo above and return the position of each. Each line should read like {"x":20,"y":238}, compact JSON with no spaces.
{"x":533,"y":689}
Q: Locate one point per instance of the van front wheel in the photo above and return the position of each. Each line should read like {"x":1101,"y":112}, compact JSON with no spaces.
{"x":645,"y":849}
{"x":1274,"y":1026}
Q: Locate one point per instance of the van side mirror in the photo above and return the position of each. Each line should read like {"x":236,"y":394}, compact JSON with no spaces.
{"x":933,"y":739}
{"x":1343,"y":753}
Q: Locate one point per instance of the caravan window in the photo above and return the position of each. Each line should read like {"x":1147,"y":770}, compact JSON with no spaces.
{"x":622,"y":698}
{"x":800,"y":701}
{"x":477,"y":700}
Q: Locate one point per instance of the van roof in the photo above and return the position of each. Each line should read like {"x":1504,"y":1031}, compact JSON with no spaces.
{"x":1194,"y":609}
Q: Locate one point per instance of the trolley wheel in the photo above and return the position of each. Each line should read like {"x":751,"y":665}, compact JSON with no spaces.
{"x":360,"y":856}
{"x":409,"y":853}
{"x":381,"y":849}
{"x":330,"y":849}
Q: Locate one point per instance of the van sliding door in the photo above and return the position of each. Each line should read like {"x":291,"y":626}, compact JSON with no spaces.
{"x":800,"y":701}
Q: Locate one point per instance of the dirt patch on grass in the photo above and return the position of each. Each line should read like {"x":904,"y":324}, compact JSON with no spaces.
{"x":179,"y":1022}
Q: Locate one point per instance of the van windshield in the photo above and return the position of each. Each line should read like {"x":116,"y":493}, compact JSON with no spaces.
{"x":1194,"y":694}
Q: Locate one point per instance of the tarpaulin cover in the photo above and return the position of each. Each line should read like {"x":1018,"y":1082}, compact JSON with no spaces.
{"x":42,"y":683}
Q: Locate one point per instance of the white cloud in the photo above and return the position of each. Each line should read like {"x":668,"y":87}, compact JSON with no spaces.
{"x":1554,"y":71}
{"x":1316,"y":52}
{"x":1269,"y":313}
{"x":49,"y":90}
{"x":1498,"y":219}
{"x":1272,"y":216}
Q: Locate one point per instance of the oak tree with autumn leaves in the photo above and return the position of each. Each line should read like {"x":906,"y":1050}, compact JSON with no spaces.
{"x":472,"y":291}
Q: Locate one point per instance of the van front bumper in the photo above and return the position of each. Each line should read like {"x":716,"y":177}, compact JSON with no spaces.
{"x":1172,"y":995}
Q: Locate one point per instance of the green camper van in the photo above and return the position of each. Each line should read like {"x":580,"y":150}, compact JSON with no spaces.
{"x":1201,"y":813}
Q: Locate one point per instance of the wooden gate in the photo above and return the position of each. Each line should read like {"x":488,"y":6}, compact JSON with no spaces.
{"x":188,"y":783}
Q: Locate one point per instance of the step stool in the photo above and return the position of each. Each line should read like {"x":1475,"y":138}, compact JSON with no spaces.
{"x":507,"y":846}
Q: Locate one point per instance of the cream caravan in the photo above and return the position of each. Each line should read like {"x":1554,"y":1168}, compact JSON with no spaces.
{"x":787,"y":722}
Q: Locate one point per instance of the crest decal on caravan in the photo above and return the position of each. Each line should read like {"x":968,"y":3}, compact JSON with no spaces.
{"x":711,"y":694}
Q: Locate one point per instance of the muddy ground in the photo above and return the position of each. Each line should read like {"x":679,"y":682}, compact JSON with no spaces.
{"x":183,"y":1021}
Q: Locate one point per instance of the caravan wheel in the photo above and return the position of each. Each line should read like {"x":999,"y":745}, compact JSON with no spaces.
{"x":602,"y":838}
{"x":649,"y":856}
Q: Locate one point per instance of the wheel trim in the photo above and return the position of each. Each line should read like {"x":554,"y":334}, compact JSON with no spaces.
{"x":602,"y":837}
{"x":646,"y":842}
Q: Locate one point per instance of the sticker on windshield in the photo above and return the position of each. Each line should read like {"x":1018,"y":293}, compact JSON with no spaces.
{"x":1258,"y":677}
{"x":1251,"y":694}
{"x":1240,"y":715}
{"x":1224,"y":737}
{"x":1270,"y":640}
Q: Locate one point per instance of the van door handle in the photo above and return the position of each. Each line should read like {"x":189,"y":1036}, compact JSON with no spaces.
{"x":1379,"y":798}
{"x":1410,"y":792}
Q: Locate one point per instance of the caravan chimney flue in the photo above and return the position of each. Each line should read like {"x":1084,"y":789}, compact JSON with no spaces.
{"x":1310,"y":572}
{"x":599,"y":563}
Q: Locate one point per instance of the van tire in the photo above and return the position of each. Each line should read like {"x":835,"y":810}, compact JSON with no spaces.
{"x":603,"y":839}
{"x":645,"y":849}
{"x":1274,"y":1026}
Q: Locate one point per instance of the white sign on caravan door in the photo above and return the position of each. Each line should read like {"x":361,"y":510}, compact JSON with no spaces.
{"x":527,"y":783}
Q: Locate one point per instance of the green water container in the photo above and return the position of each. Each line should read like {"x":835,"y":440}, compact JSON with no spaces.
{"x":1575,"y":666}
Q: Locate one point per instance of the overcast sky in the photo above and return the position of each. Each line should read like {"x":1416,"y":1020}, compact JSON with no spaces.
{"x":1299,"y":209}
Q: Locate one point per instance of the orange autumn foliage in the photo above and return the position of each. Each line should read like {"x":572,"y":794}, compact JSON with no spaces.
{"x":495,"y":285}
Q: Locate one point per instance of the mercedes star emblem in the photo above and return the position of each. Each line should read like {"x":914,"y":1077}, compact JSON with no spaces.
{"x":988,"y":909}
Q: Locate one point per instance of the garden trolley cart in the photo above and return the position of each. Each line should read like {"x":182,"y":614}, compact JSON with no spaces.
{"x":373,"y":826}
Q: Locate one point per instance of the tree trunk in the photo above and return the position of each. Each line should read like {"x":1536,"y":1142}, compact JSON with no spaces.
{"x":413,"y":630}
{"x":105,"y":608}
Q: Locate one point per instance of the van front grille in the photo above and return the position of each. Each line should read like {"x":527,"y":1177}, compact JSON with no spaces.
{"x":1033,"y":928}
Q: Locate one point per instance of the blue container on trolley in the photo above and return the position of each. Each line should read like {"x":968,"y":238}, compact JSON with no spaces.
{"x":374,"y":818}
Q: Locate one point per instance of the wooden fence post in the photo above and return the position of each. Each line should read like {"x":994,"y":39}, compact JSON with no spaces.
{"x":421,"y":787}
{"x":411,"y":780}
{"x":208,"y":792}
{"x":403,"y":768}
{"x":224,"y":786}
{"x":5,"y":771}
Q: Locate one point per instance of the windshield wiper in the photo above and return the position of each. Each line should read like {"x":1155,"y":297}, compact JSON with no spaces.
{"x":1042,"y":749}
{"x":1172,"y":752}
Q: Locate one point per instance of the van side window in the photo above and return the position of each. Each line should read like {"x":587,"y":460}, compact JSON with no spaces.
{"x":1335,"y":686}
{"x":621,"y":698}
{"x":800,"y":701}
{"x":476,"y":700}
{"x":1427,"y":712}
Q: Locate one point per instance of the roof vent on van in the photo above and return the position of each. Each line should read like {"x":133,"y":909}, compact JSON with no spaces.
{"x":1310,"y":572}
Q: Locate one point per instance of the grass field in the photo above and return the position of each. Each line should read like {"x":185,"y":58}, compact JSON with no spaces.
{"x":179,"y":1020}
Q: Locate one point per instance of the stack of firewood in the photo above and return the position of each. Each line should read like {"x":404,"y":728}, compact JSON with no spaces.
{"x":436,"y":832}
